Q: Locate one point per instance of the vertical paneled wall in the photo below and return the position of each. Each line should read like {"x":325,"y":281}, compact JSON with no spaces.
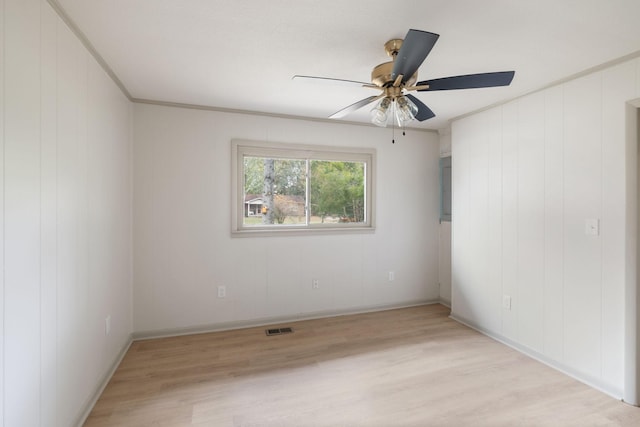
{"x":528,"y":176}
{"x":21,"y":212}
{"x":444,"y":243}
{"x":184,"y":250}
{"x":65,"y":179}
{"x":2,"y":288}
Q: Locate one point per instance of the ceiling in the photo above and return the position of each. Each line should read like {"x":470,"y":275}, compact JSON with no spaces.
{"x":242,"y":54}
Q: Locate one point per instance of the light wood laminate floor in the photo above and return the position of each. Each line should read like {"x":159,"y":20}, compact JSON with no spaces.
{"x":406,"y":367}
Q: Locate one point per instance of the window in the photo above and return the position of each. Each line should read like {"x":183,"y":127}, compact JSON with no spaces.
{"x":285,"y":188}
{"x":445,"y":189}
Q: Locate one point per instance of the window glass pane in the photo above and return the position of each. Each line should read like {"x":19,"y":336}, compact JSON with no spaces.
{"x":289,"y":189}
{"x":274,"y":191}
{"x":337,"y":192}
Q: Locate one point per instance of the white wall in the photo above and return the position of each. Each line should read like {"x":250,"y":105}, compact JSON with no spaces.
{"x":183,"y":249}
{"x":444,"y":260}
{"x":445,"y":141}
{"x":526,"y":176}
{"x":632,"y":321}
{"x":65,"y":133}
{"x":632,"y":335}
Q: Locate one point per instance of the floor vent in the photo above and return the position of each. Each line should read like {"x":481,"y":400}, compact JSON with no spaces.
{"x":278,"y":331}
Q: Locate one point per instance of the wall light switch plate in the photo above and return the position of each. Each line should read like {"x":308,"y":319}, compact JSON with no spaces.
{"x":506,"y":302}
{"x":222,"y":291}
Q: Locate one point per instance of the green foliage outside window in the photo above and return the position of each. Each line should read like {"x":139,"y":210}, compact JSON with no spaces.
{"x":335,"y":190}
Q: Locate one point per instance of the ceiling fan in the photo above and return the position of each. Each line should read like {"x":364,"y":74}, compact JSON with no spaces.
{"x":399,"y":76}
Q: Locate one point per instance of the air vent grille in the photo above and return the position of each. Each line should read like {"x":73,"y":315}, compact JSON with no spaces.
{"x":278,"y":331}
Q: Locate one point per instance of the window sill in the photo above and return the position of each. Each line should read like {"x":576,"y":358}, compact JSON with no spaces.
{"x":298,"y":231}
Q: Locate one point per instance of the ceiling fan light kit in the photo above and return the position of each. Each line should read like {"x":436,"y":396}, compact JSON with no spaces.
{"x":379,"y":113}
{"x":398,"y":77}
{"x":400,"y":109}
{"x":405,"y":110}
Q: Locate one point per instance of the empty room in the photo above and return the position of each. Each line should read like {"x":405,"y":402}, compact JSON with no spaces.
{"x":303,"y":213}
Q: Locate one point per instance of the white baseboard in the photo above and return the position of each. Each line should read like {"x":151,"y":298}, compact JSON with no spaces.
{"x":567,"y":370}
{"x":88,"y":406}
{"x":265,"y":321}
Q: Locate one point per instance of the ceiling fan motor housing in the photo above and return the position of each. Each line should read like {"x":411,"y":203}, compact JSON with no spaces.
{"x":381,"y":74}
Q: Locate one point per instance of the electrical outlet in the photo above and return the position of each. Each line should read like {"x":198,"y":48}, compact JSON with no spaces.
{"x":222,"y":291}
{"x":315,"y":284}
{"x":592,"y":227}
{"x":107,"y":325}
{"x":392,"y":276}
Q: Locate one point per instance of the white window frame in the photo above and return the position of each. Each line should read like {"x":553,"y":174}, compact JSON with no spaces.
{"x":242,"y":148}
